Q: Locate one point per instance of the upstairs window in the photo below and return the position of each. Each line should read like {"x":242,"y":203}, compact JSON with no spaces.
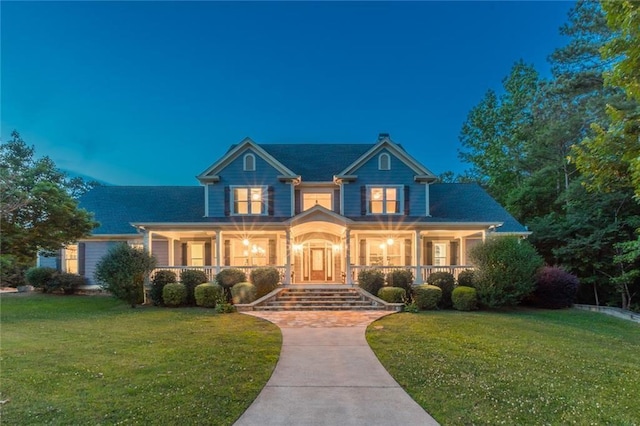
{"x":310,"y":199}
{"x":384,"y":161}
{"x":249,"y":200}
{"x":384,"y":200}
{"x":249,"y":163}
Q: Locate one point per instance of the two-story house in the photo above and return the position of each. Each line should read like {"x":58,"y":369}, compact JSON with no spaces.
{"x":320,"y":213}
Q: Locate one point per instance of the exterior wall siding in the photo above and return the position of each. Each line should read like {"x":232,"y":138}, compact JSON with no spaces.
{"x":94,"y":252}
{"x":160,"y":250}
{"x":400,"y":174}
{"x":264,"y":175}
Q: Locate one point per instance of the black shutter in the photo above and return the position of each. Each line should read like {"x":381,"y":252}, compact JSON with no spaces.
{"x":406,"y":200}
{"x":207,"y":254}
{"x":184,"y":254}
{"x":429,"y":252}
{"x":297,"y":208}
{"x":336,"y":201}
{"x":363,"y":252}
{"x":454,"y":252}
{"x":81,"y":259}
{"x":363,"y":200}
{"x":227,"y":201}
{"x":272,"y":252}
{"x":407,"y":252}
{"x":227,"y":252}
{"x":270,"y":200}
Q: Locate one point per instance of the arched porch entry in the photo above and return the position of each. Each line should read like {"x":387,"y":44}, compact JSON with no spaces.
{"x":318,"y":247}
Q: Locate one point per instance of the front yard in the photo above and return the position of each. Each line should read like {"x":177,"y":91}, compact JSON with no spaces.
{"x":93,"y":360}
{"x":517,"y":367}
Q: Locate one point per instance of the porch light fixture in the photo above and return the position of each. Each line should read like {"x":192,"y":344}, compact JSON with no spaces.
{"x":245,"y":242}
{"x":390,"y":241}
{"x":336,"y":247}
{"x":297,"y":247}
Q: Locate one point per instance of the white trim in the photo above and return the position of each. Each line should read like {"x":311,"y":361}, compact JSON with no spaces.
{"x":399,"y":199}
{"x":206,"y":200}
{"x":293,"y":200}
{"x":244,"y":162}
{"x":380,"y":157}
{"x":264,"y":200}
{"x":427,"y":200}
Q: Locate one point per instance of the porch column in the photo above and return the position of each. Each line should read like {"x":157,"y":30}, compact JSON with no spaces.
{"x":287,"y":265}
{"x":147,"y":243}
{"x":218,"y":249}
{"x":418,"y":242}
{"x":347,"y":253}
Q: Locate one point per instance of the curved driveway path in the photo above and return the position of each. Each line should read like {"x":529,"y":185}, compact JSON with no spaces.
{"x":328,"y":375}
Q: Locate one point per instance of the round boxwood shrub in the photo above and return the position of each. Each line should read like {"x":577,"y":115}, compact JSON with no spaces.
{"x":265,"y":279}
{"x":464,"y":298}
{"x":227,"y":278}
{"x":40,"y":277}
{"x":160,"y":279}
{"x":427,"y":296}
{"x":555,"y":288}
{"x":191,"y":278}
{"x":465,"y":278}
{"x":446,"y":282}
{"x":371,"y":280}
{"x":402,"y":278}
{"x":243,"y":293}
{"x":208,"y":294}
{"x":392,"y":294}
{"x":174,"y":294}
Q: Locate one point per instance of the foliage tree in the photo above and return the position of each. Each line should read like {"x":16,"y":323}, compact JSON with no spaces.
{"x":122,"y":272}
{"x":38,"y":211}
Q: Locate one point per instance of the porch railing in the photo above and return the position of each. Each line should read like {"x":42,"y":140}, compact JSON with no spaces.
{"x":210,"y":271}
{"x":424,"y":271}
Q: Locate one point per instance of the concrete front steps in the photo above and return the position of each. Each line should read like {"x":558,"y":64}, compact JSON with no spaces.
{"x":332,"y":297}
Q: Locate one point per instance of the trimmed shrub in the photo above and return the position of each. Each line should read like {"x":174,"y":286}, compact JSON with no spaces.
{"x":446,"y":282}
{"x":122,"y":272}
{"x":402,"y":278}
{"x":160,"y":279}
{"x":174,"y":294}
{"x":465,"y":278}
{"x":427,"y":296}
{"x":40,"y":277}
{"x":505,"y":270}
{"x":265,"y":279}
{"x":229,"y":277}
{"x":191,"y":278}
{"x":243,"y":293}
{"x":555,"y":288}
{"x":371,"y":280}
{"x":66,"y":282}
{"x":208,"y":294}
{"x":392,"y":294}
{"x":464,"y":298}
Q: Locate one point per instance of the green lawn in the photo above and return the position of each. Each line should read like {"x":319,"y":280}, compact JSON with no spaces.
{"x":518,"y":367}
{"x":93,"y":360}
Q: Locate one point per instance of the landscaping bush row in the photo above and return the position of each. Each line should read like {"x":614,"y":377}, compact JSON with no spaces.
{"x":49,"y":280}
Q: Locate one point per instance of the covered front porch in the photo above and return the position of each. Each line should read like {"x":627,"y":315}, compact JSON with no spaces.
{"x":315,"y":247}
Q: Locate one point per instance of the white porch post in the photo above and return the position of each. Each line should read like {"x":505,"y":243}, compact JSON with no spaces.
{"x":218,"y":249}
{"x":172,"y":252}
{"x":147,"y":243}
{"x":347,"y":252}
{"x":287,"y":265}
{"x":418,"y":242}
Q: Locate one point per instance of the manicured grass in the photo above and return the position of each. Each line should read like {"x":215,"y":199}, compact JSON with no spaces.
{"x":93,"y":360}
{"x":518,"y":367}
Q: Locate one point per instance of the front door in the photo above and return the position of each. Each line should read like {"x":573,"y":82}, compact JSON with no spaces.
{"x":317,"y":264}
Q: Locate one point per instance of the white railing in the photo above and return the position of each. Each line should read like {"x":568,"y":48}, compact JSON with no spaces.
{"x":425,"y":271}
{"x":210,"y":271}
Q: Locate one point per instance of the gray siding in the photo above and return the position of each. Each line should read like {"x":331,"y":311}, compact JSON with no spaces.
{"x":94,"y":251}
{"x":264,"y":175}
{"x":160,"y":250}
{"x":400,"y":174}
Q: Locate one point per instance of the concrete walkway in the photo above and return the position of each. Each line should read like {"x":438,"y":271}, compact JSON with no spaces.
{"x":328,"y":375}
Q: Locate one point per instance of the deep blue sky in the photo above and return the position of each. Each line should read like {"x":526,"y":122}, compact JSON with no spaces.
{"x":152,"y":93}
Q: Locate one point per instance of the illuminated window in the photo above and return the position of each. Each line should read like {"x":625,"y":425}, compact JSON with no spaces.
{"x":323,"y":199}
{"x":197,"y":254}
{"x":440,"y":254}
{"x":250,"y":252}
{"x":384,"y":162}
{"x":249,"y":200}
{"x":249,"y":163}
{"x":71,"y":259}
{"x":384,"y":252}
{"x":384,"y":200}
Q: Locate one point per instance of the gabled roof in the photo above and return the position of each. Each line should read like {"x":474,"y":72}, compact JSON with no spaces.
{"x":210,"y":174}
{"x":420,"y":170}
{"x":317,"y":162}
{"x":319,"y":212}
